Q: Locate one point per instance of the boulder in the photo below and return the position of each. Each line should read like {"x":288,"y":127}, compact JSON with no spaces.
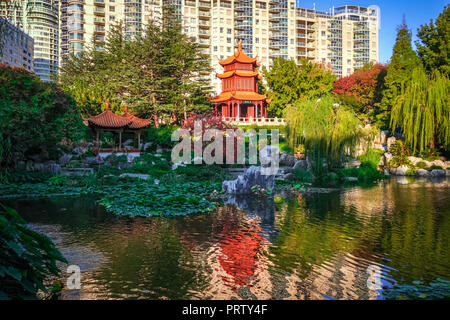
{"x":244,"y":183}
{"x":439,"y":163}
{"x":94,"y":160}
{"x":159,"y":149}
{"x":438,"y":173}
{"x":422,"y":173}
{"x":135,"y":175}
{"x":383,"y":136}
{"x":401,"y":171}
{"x":288,"y":176}
{"x":351,"y":179}
{"x":65,"y":159}
{"x":390,"y":142}
{"x":287,"y":160}
{"x":415,"y":160}
{"x":447,"y":173}
{"x":353,"y":164}
{"x":127,"y":143}
{"x":147,"y":145}
{"x":387,"y":158}
{"x":51,"y":167}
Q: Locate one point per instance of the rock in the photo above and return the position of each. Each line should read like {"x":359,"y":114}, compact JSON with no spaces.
{"x":439,"y":163}
{"x":251,"y":177}
{"x":401,"y":171}
{"x":390,"y":142}
{"x":156,"y":181}
{"x":383,"y":136}
{"x":415,"y":160}
{"x":159,"y":149}
{"x":447,"y":173}
{"x":351,"y":179}
{"x":127,"y":143}
{"x":387,"y":158}
{"x":51,"y":167}
{"x":288,"y":176}
{"x":147,"y":145}
{"x":287,"y":160}
{"x":422,"y":173}
{"x":386,"y":172}
{"x":94,"y":160}
{"x":438,"y":173}
{"x":176,"y":165}
{"x":379,"y":147}
{"x":135,"y":175}
{"x":393,"y":171}
{"x":353,"y":164}
{"x":65,"y":159}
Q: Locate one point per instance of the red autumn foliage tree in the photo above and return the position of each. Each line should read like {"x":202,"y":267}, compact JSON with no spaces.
{"x":209,"y":121}
{"x":362,"y":90}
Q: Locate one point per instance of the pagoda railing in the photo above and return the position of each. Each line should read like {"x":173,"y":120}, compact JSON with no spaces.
{"x":255,"y":121}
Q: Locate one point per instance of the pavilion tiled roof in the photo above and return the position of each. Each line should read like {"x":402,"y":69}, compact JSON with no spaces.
{"x":238,"y":56}
{"x":239,"y":95}
{"x":109,"y":120}
{"x":241,"y":73}
{"x":136,"y":123}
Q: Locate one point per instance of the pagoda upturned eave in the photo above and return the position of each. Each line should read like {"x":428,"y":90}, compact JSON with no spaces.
{"x":239,"y":95}
{"x":241,"y":73}
{"x":239,"y":56}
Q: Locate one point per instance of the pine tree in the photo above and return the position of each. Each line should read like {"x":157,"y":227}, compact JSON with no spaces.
{"x":433,"y":45}
{"x":403,"y":61}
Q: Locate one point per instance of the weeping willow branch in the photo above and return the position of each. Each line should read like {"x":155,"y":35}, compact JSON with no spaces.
{"x":328,"y":130}
{"x":422,"y":112}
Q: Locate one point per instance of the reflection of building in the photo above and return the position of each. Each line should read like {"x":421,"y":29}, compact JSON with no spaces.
{"x":16,"y":46}
{"x":40,"y":19}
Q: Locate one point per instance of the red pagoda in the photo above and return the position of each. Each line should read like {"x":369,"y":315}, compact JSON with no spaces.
{"x":240,"y":97}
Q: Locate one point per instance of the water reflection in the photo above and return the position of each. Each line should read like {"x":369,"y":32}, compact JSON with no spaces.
{"x":315,"y":247}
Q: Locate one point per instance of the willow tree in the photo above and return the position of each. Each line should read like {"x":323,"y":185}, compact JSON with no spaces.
{"x":422,"y":111}
{"x":329,"y":131}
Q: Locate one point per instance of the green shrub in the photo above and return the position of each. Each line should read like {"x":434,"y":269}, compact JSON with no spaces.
{"x":26,"y":257}
{"x":433,"y":167}
{"x":410,"y":172}
{"x":161,"y":136}
{"x":398,"y":148}
{"x":371,"y":158}
{"x":12,"y":176}
{"x":421,"y":165}
{"x":302,"y":175}
{"x":398,"y":161}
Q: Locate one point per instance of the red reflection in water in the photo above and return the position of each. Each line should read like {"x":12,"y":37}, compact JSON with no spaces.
{"x":239,"y":257}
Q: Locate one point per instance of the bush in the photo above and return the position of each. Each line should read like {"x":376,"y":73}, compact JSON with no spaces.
{"x":26,"y":257}
{"x":302,"y":175}
{"x":421,"y":165}
{"x":371,"y":158}
{"x":398,"y":161}
{"x":435,"y":168}
{"x":398,"y":148}
{"x":410,"y":172}
{"x":36,"y":117}
{"x":161,"y":136}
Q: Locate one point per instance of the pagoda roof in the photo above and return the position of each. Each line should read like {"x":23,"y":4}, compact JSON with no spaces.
{"x":239,"y":95}
{"x":136,"y":123}
{"x":242,"y":73}
{"x":238,"y":56}
{"x":109,"y":120}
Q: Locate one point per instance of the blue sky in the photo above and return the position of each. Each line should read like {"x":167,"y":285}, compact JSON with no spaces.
{"x":417,"y":12}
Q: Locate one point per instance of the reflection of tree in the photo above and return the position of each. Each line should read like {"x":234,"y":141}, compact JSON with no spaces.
{"x":310,"y":236}
{"x":418,"y":236}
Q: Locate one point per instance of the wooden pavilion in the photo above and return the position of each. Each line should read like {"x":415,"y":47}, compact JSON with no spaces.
{"x":107,"y":121}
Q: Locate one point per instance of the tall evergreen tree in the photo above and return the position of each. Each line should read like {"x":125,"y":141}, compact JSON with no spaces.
{"x":433,"y":45}
{"x":404,"y":60}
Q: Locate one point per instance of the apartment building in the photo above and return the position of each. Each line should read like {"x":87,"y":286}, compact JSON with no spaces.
{"x":40,"y":20}
{"x":16,"y":47}
{"x":343,"y":39}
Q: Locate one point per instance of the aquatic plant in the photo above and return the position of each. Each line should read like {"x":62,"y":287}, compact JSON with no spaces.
{"x":26,"y":257}
{"x":439,"y":289}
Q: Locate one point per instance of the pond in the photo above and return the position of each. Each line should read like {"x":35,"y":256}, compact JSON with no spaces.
{"x":318,"y":246}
